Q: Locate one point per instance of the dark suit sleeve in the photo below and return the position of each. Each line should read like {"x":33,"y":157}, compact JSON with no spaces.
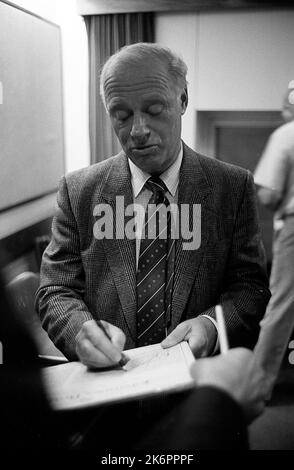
{"x":206,"y":419}
{"x":59,"y":299}
{"x":245,"y":291}
{"x":210,"y":419}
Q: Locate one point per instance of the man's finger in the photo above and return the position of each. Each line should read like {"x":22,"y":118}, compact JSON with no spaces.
{"x":117,"y":336}
{"x":91,"y":356}
{"x":197,"y":343}
{"x":98,"y":338}
{"x":180,"y":333}
{"x":101,"y":342}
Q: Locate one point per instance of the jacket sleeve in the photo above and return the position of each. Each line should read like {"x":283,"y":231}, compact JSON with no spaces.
{"x":59,"y":299}
{"x":206,"y":419}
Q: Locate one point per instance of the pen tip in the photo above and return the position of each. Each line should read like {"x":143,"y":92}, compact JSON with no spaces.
{"x":124,"y":360}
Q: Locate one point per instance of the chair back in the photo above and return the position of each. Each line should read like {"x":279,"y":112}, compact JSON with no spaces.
{"x":22,"y":290}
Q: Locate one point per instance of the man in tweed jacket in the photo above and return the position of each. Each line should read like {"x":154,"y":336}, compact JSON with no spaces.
{"x":84,"y":278}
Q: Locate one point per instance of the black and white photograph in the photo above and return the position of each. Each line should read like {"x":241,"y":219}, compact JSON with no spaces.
{"x":146,"y":231}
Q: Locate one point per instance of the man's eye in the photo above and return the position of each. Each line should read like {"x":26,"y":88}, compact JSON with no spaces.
{"x":121,"y":115}
{"x":155,"y":109}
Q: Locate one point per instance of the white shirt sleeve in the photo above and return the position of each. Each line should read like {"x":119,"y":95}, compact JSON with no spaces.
{"x":216,"y":347}
{"x":271,"y":171}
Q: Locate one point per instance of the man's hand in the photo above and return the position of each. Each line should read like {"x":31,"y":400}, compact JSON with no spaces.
{"x":93,"y":347}
{"x":200,"y":333}
{"x":269,"y":198}
{"x":238,"y":374}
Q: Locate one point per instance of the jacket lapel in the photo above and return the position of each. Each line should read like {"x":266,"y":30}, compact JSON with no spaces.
{"x":193,"y":189}
{"x":121,"y":251}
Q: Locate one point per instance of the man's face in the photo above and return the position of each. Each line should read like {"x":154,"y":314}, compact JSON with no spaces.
{"x":145,"y":109}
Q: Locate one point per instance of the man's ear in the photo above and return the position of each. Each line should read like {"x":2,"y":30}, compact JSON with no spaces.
{"x":184,"y":100}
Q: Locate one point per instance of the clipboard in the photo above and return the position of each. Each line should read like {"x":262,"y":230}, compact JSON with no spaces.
{"x":150,"y":371}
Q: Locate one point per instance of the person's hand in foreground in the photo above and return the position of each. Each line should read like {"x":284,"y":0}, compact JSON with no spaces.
{"x":95,"y":349}
{"x":238,"y":374}
{"x":200,"y":333}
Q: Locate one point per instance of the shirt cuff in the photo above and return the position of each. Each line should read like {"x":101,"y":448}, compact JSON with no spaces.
{"x":216,"y":346}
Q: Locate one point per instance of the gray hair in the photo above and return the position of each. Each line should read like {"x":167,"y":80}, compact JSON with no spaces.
{"x":175,"y":65}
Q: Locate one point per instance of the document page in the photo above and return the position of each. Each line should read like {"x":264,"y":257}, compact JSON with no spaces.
{"x":151,"y":370}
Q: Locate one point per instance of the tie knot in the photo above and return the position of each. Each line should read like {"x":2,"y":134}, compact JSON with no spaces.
{"x":156,"y":185}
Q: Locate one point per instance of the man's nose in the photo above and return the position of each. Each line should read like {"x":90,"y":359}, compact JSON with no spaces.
{"x":140,"y":131}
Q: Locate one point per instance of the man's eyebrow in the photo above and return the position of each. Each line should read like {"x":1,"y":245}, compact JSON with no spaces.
{"x":117,"y":106}
{"x":154,"y":99}
{"x":122,"y":105}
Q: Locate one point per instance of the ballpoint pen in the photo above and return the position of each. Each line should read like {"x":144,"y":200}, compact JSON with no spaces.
{"x":122,"y":362}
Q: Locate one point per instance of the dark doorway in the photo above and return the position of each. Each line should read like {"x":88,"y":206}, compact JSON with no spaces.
{"x":243,"y":145}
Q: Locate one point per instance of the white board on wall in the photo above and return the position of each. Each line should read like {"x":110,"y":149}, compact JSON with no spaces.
{"x":31,"y":107}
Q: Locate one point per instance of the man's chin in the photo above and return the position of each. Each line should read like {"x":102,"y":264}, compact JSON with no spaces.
{"x":150,"y":162}
{"x":151,"y":169}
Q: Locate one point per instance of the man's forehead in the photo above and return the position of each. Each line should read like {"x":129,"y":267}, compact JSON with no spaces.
{"x":138,"y":72}
{"x":147,"y":86}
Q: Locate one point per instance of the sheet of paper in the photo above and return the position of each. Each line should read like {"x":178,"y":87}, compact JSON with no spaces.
{"x":150,"y":370}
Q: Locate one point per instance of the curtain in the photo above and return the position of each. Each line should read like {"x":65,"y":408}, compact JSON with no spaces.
{"x":107,"y":34}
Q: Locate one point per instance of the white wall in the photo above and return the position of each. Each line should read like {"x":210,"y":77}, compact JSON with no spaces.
{"x":75,"y":76}
{"x":179,"y":32}
{"x":237,"y":60}
{"x":45,"y":8}
{"x":246,"y":59}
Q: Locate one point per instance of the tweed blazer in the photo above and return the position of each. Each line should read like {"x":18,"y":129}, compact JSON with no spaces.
{"x":83,"y":277}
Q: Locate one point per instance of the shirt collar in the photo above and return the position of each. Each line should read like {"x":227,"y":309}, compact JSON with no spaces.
{"x":170,"y":176}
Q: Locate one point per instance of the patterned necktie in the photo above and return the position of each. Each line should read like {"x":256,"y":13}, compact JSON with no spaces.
{"x":155,"y":268}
